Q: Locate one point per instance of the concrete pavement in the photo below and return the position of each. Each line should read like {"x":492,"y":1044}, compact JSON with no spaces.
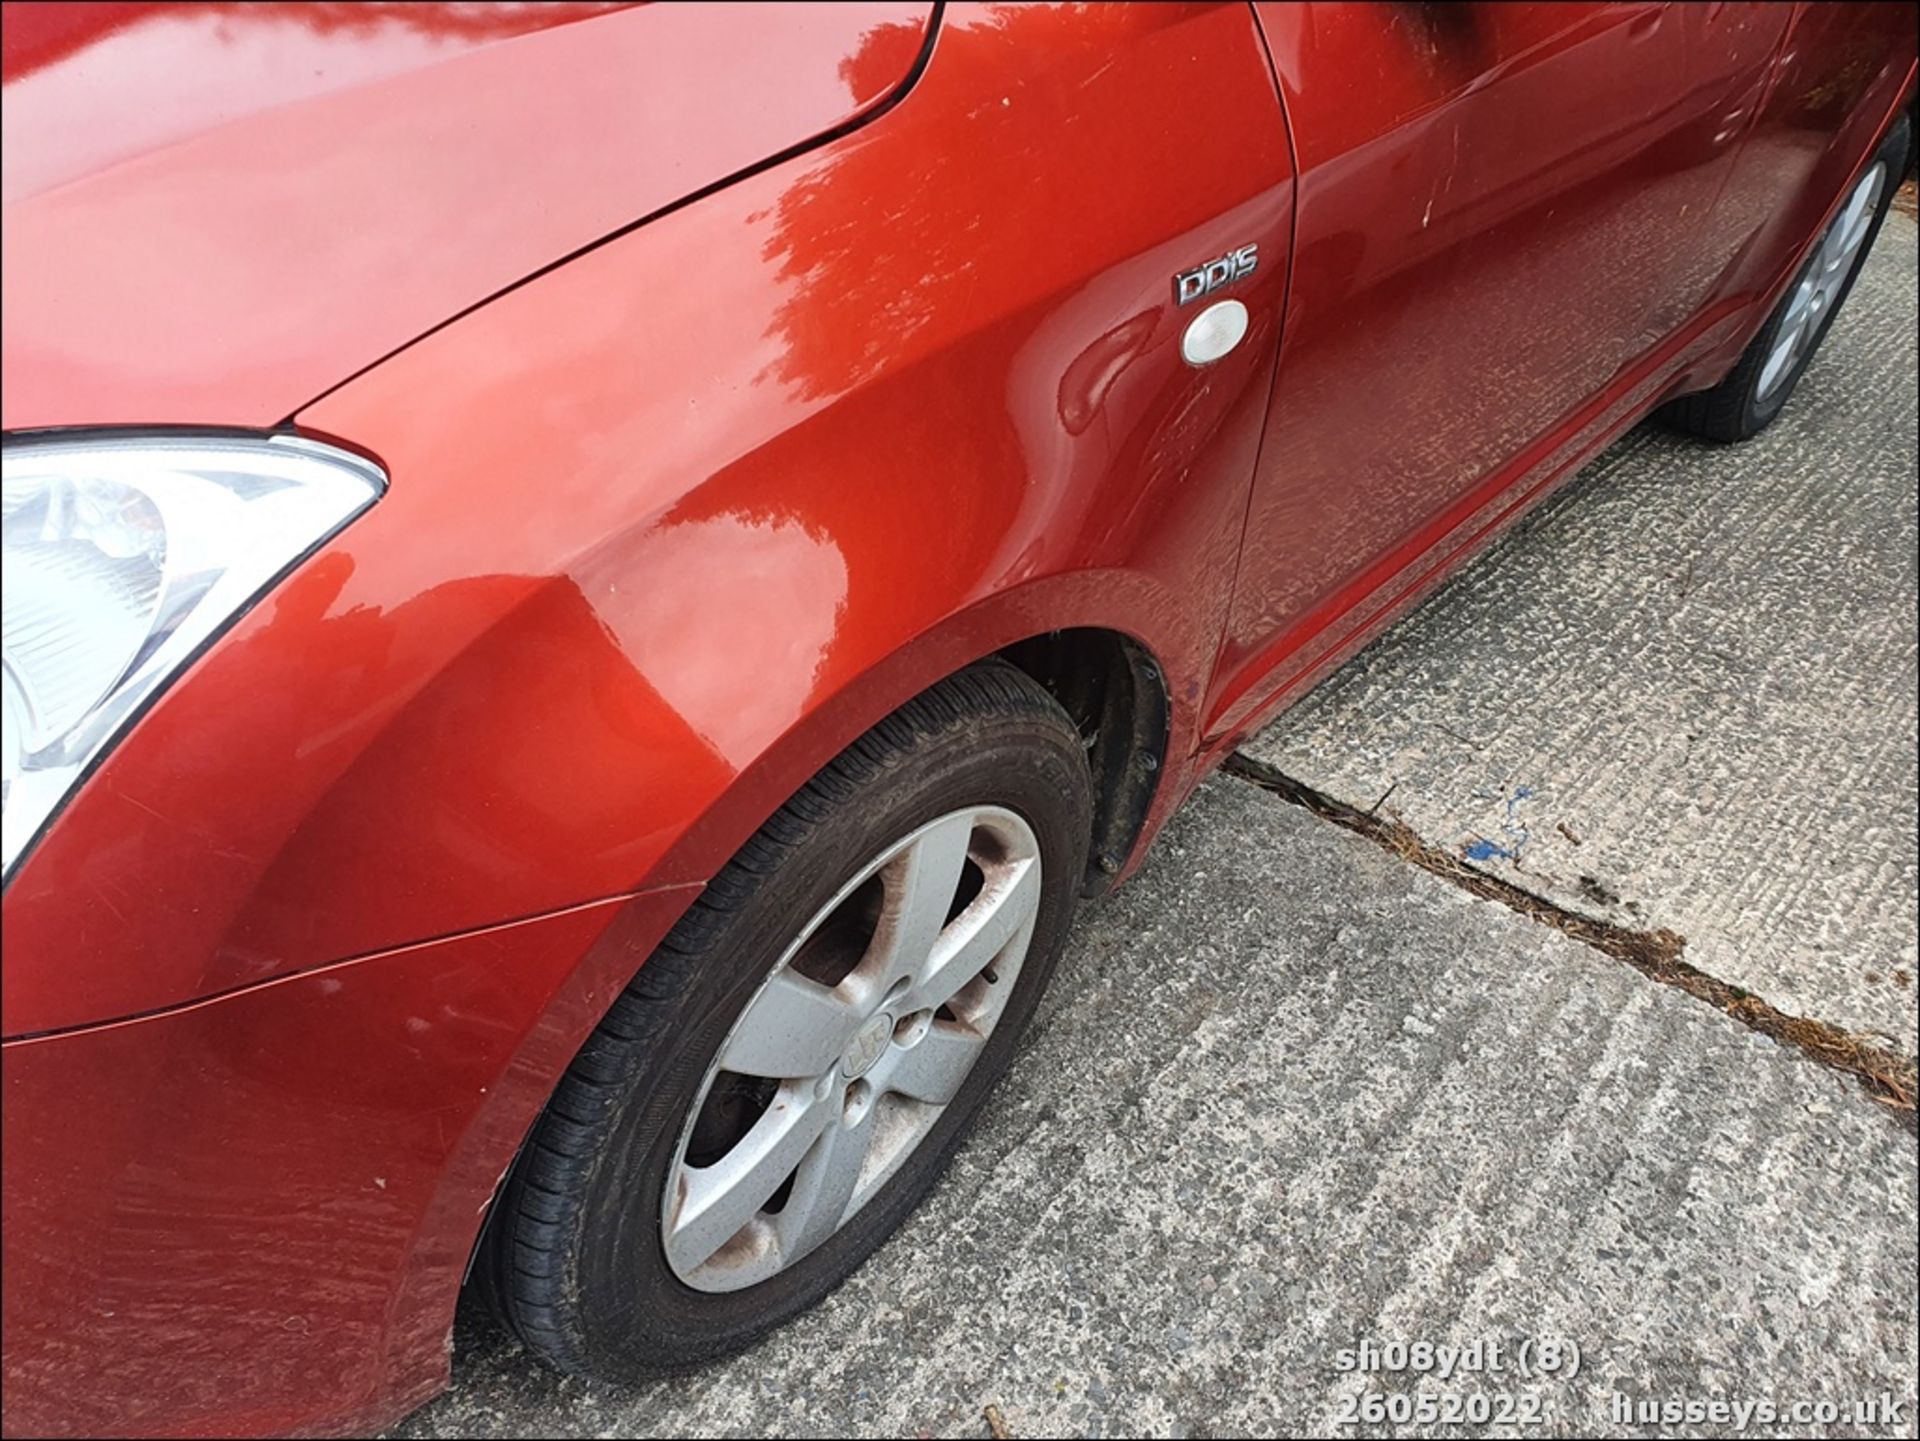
{"x":1289,"y":1092}
{"x":1683,"y":692}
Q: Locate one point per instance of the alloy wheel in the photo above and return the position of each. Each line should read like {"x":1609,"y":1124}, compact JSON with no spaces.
{"x":1822,"y":282}
{"x":849,"y":1052}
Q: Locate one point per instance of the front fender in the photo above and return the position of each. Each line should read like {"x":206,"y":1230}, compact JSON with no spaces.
{"x":672,"y":523}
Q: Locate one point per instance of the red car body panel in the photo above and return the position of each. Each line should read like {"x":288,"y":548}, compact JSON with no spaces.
{"x":1536,"y":143}
{"x":561,"y":703}
{"x":671,"y":523}
{"x":269,"y":1270}
{"x":178,"y":178}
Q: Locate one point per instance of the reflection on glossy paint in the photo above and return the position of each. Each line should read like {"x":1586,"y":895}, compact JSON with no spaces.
{"x":537,"y":652}
{"x":39,"y":36}
{"x":138,"y":78}
{"x":786,"y":588}
{"x":217,"y":213}
{"x":872,"y":254}
{"x":1095,"y":370}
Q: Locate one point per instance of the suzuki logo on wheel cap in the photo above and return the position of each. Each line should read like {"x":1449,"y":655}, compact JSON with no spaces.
{"x":867,"y":1046}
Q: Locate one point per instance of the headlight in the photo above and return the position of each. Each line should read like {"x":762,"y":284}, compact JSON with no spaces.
{"x":122,"y":557}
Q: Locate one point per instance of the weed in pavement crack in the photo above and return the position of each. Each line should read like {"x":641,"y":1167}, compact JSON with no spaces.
{"x":1888,"y":1077}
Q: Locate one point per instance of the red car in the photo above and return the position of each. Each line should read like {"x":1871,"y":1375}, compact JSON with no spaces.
{"x":587,"y":585}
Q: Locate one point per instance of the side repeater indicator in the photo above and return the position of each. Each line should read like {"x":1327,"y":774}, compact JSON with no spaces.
{"x":1190,"y":285}
{"x":1214,"y":332}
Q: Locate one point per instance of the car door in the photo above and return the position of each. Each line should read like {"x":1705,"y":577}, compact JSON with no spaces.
{"x":1839,"y":70}
{"x":1490,"y":200}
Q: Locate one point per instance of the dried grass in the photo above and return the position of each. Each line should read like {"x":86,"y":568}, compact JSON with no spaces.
{"x":1888,"y":1077}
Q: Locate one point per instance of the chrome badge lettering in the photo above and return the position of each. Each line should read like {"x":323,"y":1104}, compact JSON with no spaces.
{"x":1190,"y":285}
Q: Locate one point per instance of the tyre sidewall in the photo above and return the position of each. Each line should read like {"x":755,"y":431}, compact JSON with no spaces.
{"x":1759,"y":412}
{"x":634,"y":1312}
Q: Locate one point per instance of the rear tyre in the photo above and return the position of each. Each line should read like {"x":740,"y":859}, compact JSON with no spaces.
{"x":790,"y":1073}
{"x":1756,"y":390}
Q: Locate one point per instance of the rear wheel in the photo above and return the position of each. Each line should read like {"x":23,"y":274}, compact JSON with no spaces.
{"x":789,"y":1074}
{"x":1756,"y":390}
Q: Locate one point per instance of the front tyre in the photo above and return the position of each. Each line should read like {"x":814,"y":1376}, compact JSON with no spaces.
{"x":1756,"y":390}
{"x":791,"y":1071}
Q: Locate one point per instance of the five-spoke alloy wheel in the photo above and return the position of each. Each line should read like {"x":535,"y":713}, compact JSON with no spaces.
{"x":791,"y":1069}
{"x":857,"y":1042}
{"x":1824,"y":280}
{"x":1755,"y":391}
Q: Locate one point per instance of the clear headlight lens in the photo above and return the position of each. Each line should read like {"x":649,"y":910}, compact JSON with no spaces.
{"x":120,"y":558}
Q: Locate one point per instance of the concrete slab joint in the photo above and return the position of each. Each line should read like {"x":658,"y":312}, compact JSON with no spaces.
{"x":1885,"y":1075}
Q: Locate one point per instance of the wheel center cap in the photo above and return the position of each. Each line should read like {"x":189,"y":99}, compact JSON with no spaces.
{"x":869,"y":1042}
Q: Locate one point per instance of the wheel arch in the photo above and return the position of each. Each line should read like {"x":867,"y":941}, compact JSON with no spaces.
{"x":1108,"y":674}
{"x":1089,"y":638}
{"x":1115,"y":691}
